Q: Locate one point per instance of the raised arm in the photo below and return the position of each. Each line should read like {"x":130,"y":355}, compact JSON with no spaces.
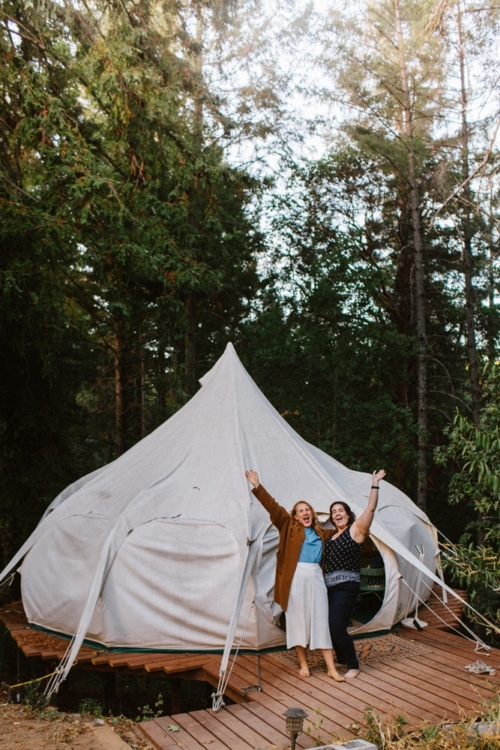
{"x":361,"y":526}
{"x":253,"y":478}
{"x":279,"y":515}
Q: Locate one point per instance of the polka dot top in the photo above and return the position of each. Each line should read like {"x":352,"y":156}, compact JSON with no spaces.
{"x":342,"y":559}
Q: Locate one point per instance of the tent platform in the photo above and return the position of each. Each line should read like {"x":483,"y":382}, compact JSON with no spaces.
{"x":423,"y":678}
{"x":418,"y":675}
{"x":429,"y":687}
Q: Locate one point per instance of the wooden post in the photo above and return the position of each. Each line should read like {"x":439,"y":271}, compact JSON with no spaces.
{"x":109,"y":690}
{"x":175,"y":696}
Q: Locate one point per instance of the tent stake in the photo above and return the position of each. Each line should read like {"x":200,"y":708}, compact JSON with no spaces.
{"x":259,"y":681}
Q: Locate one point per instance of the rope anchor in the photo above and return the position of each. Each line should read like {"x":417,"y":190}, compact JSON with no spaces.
{"x":250,"y":688}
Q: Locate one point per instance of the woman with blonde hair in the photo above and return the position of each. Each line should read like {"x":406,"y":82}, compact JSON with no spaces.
{"x":299,"y":586}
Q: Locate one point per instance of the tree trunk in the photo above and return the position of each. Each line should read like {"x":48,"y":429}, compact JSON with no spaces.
{"x":142,"y":388}
{"x":419,"y":270}
{"x":491,"y":328}
{"x":198,"y":67}
{"x":190,"y":345}
{"x":161,"y":386}
{"x":467,"y":235}
{"x":119,"y":391}
{"x":195,"y":217}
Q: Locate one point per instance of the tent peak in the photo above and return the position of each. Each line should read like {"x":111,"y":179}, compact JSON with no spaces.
{"x":229,"y":356}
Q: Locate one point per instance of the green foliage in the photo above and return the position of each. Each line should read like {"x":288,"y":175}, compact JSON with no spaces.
{"x":127,"y":247}
{"x":394,"y":734}
{"x":146,"y":713}
{"x":90,"y":706}
{"x":383,"y":735}
{"x":33,"y":696}
{"x":475,"y":489}
{"x":314,"y":729}
{"x":333,"y":344}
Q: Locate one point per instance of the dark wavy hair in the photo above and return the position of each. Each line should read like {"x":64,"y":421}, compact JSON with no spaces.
{"x":350,"y":515}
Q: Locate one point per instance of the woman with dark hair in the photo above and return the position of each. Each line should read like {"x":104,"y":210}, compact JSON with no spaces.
{"x":341,"y":571}
{"x":299,"y":587}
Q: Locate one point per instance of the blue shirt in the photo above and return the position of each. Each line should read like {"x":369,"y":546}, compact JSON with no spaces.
{"x":312,"y":547}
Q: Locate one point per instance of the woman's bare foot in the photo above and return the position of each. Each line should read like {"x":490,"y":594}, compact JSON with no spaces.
{"x":302,"y":657}
{"x":336,"y":676}
{"x":351,"y":674}
{"x":330,"y":666}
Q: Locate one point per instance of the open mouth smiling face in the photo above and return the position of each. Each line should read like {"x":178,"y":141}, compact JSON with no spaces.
{"x":339,"y":516}
{"x":304,"y":515}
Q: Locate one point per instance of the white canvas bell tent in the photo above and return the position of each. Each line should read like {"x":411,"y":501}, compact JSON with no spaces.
{"x":166,"y":548}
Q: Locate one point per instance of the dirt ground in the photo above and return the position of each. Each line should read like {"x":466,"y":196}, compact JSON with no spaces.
{"x":23,"y":729}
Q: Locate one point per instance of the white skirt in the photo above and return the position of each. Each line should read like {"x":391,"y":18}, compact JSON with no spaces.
{"x":307,"y":611}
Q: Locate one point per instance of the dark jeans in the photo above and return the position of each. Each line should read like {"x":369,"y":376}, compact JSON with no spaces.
{"x":341,"y":604}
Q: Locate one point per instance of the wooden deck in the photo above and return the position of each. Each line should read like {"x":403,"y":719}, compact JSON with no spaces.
{"x":429,"y":682}
{"x":420,"y":676}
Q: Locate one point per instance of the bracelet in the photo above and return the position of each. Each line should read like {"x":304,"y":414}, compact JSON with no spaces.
{"x":375,"y":488}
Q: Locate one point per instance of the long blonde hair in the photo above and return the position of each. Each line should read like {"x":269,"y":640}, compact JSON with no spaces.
{"x":315,"y":520}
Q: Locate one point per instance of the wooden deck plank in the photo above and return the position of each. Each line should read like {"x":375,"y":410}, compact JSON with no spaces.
{"x":397,"y":695}
{"x":431,"y":686}
{"x":158,"y":735}
{"x":439,"y":616}
{"x":47,"y":646}
{"x":149,"y":661}
{"x":125,"y":658}
{"x":235,"y":688}
{"x":101,"y":659}
{"x":455,"y":685}
{"x":212,"y":723}
{"x":276,"y":722}
{"x":198,"y":731}
{"x":409,"y":695}
{"x":443,"y":636}
{"x":428,"y":689}
{"x":279,"y":699}
{"x":457,"y":679}
{"x":453,"y":643}
{"x":242,"y":677}
{"x":172,"y":667}
{"x":388,"y":699}
{"x":134,"y":660}
{"x":313,"y":695}
{"x":459,"y":644}
{"x":85,"y":656}
{"x":182,"y":738}
{"x":450,"y":632}
{"x":270,"y":731}
{"x":241,"y":730}
{"x":363,"y":688}
{"x":237,"y":683}
{"x":484,"y":685}
{"x":142,"y":657}
{"x":274,"y":700}
{"x":393,"y":704}
{"x":446,"y":656}
{"x":340,"y":696}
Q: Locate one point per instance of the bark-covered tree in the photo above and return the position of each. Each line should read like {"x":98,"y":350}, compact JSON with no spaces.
{"x":117,"y":209}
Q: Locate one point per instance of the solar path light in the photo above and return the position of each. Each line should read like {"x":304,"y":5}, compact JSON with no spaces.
{"x":294,"y":722}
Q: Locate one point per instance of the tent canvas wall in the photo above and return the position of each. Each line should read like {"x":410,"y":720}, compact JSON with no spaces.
{"x":161,"y":548}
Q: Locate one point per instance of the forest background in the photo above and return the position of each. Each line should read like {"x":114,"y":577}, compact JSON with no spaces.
{"x":317,"y":183}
